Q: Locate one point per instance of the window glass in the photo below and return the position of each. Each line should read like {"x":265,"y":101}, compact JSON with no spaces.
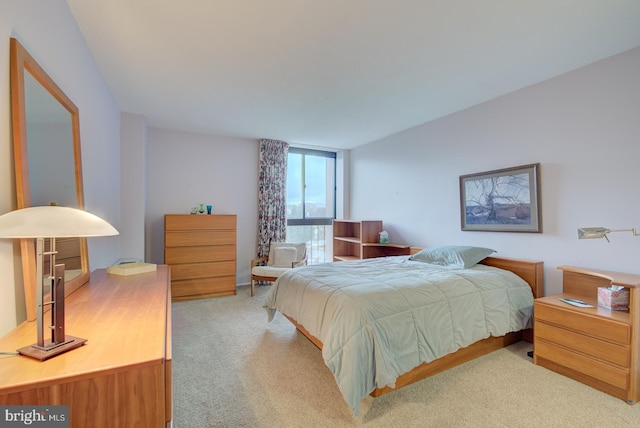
{"x":311,"y":185}
{"x":319,"y":187}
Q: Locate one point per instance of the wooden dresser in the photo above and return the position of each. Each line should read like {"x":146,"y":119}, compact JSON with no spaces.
{"x":596,"y":346}
{"x":201,"y":250}
{"x":122,"y":376}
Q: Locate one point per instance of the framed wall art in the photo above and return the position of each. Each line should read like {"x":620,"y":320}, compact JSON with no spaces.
{"x":503,"y":200}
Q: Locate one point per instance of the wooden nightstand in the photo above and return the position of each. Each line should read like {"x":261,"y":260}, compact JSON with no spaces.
{"x":595,"y":346}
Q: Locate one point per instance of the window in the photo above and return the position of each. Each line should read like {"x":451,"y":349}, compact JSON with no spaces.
{"x":311,"y":200}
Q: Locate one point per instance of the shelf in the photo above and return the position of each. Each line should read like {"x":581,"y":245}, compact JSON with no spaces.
{"x":375,"y":244}
{"x":353,"y":240}
{"x":384,"y":250}
{"x":596,"y":311}
{"x":347,"y":239}
{"x":344,"y":258}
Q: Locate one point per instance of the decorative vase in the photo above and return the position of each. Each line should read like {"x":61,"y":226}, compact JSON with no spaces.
{"x":209,"y":207}
{"x":201,"y":210}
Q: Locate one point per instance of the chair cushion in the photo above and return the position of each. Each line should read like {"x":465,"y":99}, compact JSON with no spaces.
{"x":270,"y":271}
{"x":283,"y":257}
{"x":301,"y":248}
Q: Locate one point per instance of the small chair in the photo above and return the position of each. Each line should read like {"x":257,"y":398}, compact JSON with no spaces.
{"x":282,"y":257}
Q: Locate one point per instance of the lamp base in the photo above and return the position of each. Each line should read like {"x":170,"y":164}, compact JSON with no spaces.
{"x":51,"y":350}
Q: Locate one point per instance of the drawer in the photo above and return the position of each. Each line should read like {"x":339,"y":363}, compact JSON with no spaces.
{"x":203,"y":286}
{"x":212,"y":253}
{"x":200,"y":222}
{"x":606,"y":351}
{"x":199,"y":238}
{"x":603,"y":372}
{"x":594,"y":326}
{"x":203,"y":270}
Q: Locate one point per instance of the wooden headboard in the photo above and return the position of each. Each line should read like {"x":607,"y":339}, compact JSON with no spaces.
{"x":532,"y":271}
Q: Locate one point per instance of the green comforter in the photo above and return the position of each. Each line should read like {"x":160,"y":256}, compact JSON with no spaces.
{"x":379,"y":318}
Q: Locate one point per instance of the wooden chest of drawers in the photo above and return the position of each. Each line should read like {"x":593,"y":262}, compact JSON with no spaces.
{"x":201,"y":250}
{"x":596,"y":346}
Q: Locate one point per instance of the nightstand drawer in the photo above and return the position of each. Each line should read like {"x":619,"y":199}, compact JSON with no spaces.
{"x":600,"y":327}
{"x":604,"y":372}
{"x":606,"y":351}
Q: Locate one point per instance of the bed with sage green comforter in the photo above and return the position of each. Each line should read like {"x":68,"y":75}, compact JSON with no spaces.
{"x":379,"y":318}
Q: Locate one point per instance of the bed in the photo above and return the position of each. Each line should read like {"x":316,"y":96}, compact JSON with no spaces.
{"x":388,"y":322}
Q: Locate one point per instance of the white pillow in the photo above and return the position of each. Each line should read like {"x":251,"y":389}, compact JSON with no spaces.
{"x":283,"y":256}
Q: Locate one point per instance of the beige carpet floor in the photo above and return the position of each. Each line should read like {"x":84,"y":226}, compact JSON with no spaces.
{"x":234,"y":369}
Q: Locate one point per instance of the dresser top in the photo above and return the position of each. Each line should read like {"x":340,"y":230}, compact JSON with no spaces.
{"x":124,"y":318}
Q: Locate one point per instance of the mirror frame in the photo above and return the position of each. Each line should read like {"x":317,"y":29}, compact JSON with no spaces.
{"x":22,"y":62}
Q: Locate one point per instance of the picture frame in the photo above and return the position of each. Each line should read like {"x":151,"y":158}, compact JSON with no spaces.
{"x":502,"y":200}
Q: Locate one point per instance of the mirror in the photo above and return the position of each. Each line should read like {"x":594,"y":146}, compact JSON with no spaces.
{"x":46,"y":146}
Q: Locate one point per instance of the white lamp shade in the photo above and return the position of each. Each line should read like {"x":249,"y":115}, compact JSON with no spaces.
{"x":53,"y":222}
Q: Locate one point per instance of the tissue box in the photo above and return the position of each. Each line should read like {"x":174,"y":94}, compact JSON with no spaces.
{"x":616,"y":300}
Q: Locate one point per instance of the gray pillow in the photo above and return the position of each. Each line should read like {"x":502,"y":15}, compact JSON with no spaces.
{"x":452,"y":256}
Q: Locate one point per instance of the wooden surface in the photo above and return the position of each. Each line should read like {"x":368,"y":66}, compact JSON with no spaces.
{"x":383,"y":250}
{"x":122,"y":375}
{"x":596,"y":346}
{"x":201,"y":250}
{"x":355,"y":239}
{"x":531,"y":271}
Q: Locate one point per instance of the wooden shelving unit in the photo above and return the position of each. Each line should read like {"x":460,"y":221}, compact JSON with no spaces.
{"x":359,"y":239}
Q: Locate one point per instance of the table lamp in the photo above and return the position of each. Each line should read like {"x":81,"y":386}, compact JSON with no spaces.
{"x":51,"y":222}
{"x":600,"y":232}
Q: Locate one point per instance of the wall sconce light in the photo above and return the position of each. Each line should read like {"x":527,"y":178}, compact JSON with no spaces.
{"x":600,"y":232}
{"x":51,"y":222}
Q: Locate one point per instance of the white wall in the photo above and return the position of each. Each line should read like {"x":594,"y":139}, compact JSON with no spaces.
{"x":186,"y":169}
{"x":49,"y":32}
{"x":133,"y":146}
{"x":583,"y":127}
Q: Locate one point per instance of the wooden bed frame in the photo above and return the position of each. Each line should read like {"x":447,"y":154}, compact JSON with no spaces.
{"x":531,"y":271}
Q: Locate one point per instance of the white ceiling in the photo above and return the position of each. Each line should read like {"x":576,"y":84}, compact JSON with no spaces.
{"x":337,"y":73}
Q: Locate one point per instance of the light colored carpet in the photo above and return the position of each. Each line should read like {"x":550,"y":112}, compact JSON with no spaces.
{"x":232,"y":368}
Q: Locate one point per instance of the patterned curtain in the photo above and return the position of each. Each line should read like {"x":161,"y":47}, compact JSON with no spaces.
{"x":272,"y":196}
